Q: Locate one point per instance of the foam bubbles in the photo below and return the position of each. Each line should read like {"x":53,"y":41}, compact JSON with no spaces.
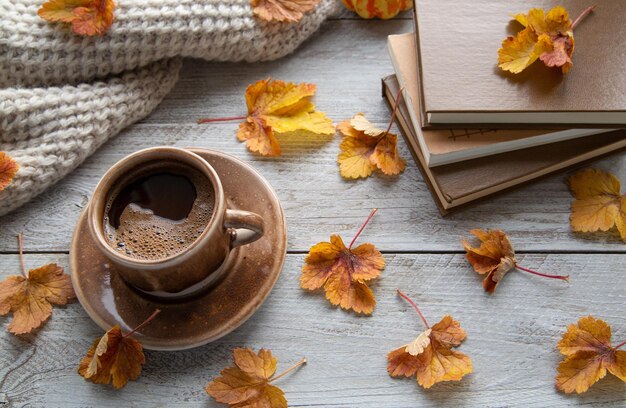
{"x":143,"y":235}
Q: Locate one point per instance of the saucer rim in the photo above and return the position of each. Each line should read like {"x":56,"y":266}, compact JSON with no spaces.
{"x":86,"y":305}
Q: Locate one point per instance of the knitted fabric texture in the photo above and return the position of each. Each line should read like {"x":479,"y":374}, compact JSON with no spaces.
{"x":63,"y":95}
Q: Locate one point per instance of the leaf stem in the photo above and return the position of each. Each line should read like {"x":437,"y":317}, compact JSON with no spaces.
{"x":209,"y":120}
{"x":395,"y":109}
{"x":19,"y":244}
{"x":620,"y":345}
{"x":417,"y":309}
{"x":562,"y":277}
{"x":148,"y":320}
{"x":363,"y":227}
{"x":293,"y":367}
{"x":582,"y":16}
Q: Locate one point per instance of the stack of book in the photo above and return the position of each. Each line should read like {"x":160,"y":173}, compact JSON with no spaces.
{"x":475,"y":130}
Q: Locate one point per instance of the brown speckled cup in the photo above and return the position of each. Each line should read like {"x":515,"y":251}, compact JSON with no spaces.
{"x":200,"y":264}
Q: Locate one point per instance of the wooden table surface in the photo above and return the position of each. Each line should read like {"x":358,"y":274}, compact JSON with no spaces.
{"x":512,"y":334}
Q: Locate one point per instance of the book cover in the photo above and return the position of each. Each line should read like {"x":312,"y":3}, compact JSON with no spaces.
{"x":461,"y":83}
{"x":459,"y":184}
{"x":444,"y":146}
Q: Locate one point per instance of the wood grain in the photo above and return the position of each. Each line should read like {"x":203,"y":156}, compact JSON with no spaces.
{"x":512,"y":334}
{"x":511,"y":338}
{"x":346,"y":60}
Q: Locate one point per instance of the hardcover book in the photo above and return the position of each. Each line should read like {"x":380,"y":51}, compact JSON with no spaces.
{"x":458,"y":184}
{"x":461,"y":82}
{"x":443,"y":146}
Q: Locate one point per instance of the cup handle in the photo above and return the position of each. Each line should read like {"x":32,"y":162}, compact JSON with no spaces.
{"x":239,"y":219}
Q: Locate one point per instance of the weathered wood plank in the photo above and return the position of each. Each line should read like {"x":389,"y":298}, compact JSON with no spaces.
{"x":511,"y":337}
{"x":319,"y":202}
{"x":346,"y":60}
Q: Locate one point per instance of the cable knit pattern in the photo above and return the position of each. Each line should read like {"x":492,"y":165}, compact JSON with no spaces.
{"x":35,"y":52}
{"x":62,"y":96}
{"x":50,"y":131}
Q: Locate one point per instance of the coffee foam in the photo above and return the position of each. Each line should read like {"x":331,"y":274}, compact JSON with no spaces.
{"x":143,"y":235}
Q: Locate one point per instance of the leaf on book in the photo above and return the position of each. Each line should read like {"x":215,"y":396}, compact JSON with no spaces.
{"x":546,"y":36}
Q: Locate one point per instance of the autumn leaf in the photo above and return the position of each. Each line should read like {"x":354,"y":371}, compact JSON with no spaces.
{"x":366,"y":148}
{"x":115,"y":357}
{"x":30,"y":297}
{"x":589,"y":354}
{"x":343,"y":272}
{"x":383,"y":9}
{"x":598,"y":204}
{"x":277,"y":106}
{"x":430,"y":356}
{"x":520,"y":51}
{"x":247,"y":384}
{"x":87,"y":17}
{"x":546,"y":36}
{"x":495,"y":257}
{"x":290,"y":11}
{"x":8,"y":169}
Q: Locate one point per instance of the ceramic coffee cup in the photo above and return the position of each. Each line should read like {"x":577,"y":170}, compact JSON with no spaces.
{"x":200,"y":263}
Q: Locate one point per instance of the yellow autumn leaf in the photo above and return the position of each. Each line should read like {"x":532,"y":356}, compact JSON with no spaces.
{"x":598,"y":206}
{"x":520,"y":51}
{"x":365,"y":148}
{"x":248,"y":384}
{"x":589,"y":355}
{"x":30,"y":296}
{"x":278,"y":107}
{"x":344,"y":272}
{"x":546,"y":36}
{"x":430,"y":357}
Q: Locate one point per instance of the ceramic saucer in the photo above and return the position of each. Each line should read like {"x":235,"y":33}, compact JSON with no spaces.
{"x":254,"y":269}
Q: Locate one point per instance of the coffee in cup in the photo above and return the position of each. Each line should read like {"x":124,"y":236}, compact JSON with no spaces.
{"x":162,"y":219}
{"x":159,"y":212}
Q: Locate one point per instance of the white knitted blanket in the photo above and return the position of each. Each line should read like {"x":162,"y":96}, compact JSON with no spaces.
{"x":62,"y":95}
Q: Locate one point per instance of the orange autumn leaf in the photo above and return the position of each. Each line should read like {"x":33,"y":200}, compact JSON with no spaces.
{"x":495,"y":257}
{"x":8,"y":169}
{"x":598,"y":204}
{"x":115,"y":357}
{"x":430,"y":356}
{"x":383,"y":9}
{"x":247,"y":384}
{"x":546,"y":36}
{"x":366,"y":148}
{"x":589,"y":355}
{"x":30,"y":296}
{"x":343,"y":272}
{"x":281,"y":107}
{"x":87,"y":17}
{"x":290,"y":11}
